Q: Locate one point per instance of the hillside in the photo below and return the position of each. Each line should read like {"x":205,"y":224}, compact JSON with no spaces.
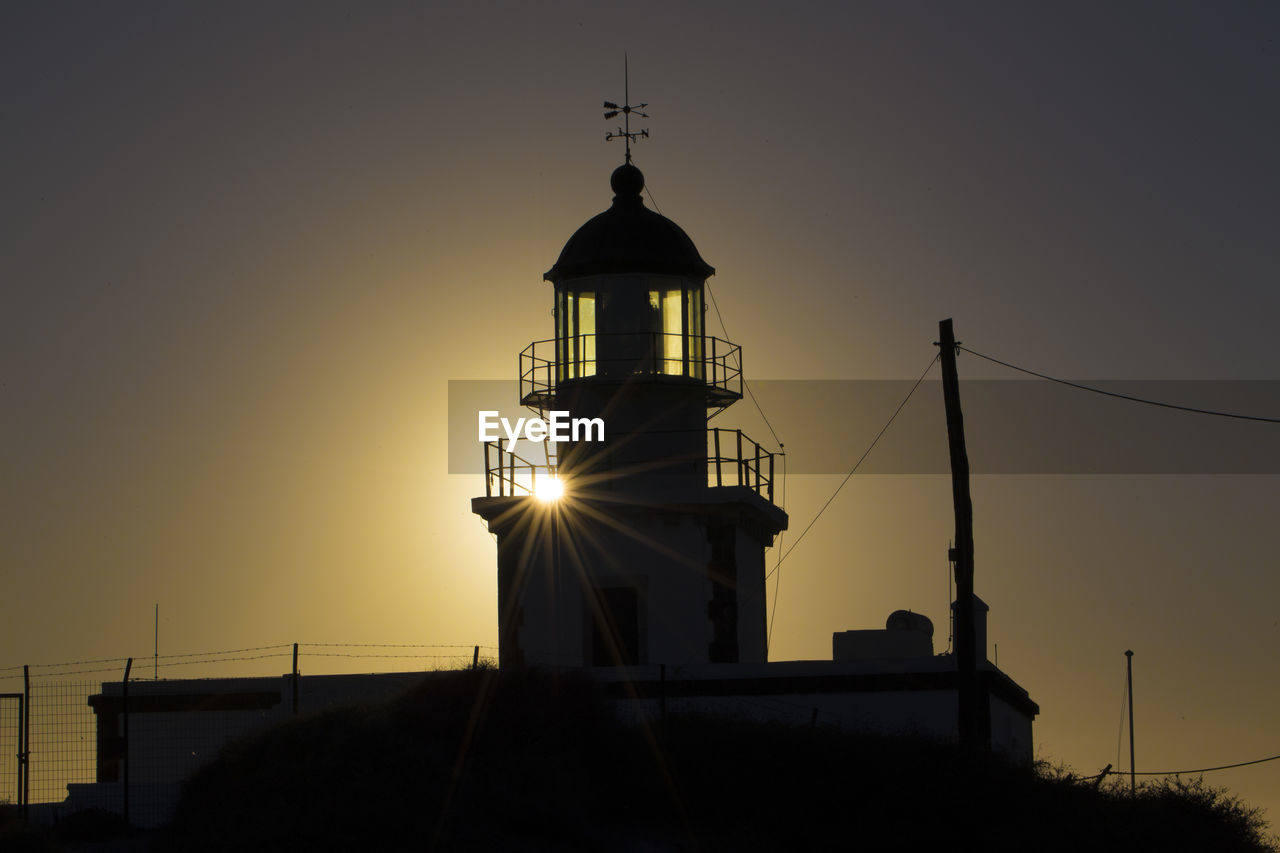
{"x":483,"y":761}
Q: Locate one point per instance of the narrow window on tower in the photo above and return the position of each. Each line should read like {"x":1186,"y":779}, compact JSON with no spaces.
{"x":672,"y":333}
{"x":562,"y":326}
{"x":693,"y":331}
{"x":570,"y":338}
{"x":587,"y":332}
{"x":653,"y":360}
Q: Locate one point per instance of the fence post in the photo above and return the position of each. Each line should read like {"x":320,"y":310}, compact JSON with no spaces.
{"x":124,"y":689}
{"x":295,"y":679}
{"x":24,"y":765}
{"x":475,"y":658}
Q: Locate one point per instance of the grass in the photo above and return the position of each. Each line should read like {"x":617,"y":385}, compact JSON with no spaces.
{"x":524,"y":761}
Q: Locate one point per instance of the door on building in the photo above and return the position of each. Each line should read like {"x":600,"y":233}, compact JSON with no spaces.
{"x":614,"y":627}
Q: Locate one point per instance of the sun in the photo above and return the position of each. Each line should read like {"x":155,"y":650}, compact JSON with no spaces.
{"x":549,"y":489}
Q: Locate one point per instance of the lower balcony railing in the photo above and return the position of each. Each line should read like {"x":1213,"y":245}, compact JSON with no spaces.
{"x":735,"y":460}
{"x":507,"y":474}
{"x":732,"y":459}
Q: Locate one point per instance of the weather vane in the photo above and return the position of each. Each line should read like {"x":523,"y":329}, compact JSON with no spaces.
{"x":626,"y":109}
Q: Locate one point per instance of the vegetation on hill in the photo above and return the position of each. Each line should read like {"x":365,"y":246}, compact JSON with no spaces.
{"x":487,"y":761}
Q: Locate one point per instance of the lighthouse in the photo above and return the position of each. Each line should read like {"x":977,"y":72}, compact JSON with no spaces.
{"x":651,"y":547}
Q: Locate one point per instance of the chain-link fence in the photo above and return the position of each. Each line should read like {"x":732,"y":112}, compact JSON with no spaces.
{"x":124,"y":747}
{"x":62,"y":738}
{"x":11,"y":719}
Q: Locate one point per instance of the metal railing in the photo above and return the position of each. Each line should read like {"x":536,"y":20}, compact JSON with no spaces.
{"x":732,"y":459}
{"x":745,"y":463}
{"x":544,"y":365}
{"x":507,"y":474}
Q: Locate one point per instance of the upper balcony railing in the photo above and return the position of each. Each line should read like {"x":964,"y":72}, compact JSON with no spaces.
{"x":732,"y":459}
{"x":717,"y":364}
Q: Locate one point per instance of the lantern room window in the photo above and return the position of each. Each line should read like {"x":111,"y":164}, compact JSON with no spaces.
{"x":630,"y":324}
{"x":575,"y":333}
{"x":667,"y":312}
{"x":676,"y":321}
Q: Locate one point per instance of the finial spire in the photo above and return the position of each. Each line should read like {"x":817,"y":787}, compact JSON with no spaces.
{"x":625,"y":132}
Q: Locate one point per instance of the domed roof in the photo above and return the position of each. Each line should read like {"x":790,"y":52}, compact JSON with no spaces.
{"x":629,"y":238}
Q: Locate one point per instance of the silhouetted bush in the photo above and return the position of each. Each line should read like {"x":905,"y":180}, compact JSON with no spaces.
{"x":17,"y":838}
{"x":91,"y":825}
{"x":527,"y":761}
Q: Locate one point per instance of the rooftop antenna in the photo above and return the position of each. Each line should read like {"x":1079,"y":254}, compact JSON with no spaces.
{"x":625,"y":132}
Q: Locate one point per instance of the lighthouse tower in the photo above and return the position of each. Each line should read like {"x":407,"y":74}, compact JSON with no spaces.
{"x":654,"y":550}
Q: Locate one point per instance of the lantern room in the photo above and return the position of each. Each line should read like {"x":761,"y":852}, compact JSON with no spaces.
{"x":628,"y":292}
{"x":628,"y":303}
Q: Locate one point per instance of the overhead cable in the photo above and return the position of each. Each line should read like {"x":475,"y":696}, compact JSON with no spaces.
{"x":856,"y":465}
{"x":1121,"y":396}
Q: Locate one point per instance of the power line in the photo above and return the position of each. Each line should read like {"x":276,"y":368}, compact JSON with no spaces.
{"x":951,"y":611}
{"x":777,"y":584}
{"x":746,"y":386}
{"x":1121,"y":396}
{"x":1124,"y":703}
{"x":856,"y":465}
{"x":782,"y":448}
{"x":1206,"y":769}
{"x":1181,"y":772}
{"x":725,"y":330}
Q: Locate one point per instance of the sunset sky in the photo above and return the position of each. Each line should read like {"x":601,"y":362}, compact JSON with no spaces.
{"x":246,"y":246}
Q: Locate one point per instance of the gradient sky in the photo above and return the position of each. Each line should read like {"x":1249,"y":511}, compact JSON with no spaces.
{"x":245,"y":247}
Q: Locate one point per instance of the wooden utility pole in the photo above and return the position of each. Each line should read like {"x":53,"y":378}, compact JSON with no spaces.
{"x":1133,"y":774}
{"x":974,"y":710}
{"x":124,"y":707}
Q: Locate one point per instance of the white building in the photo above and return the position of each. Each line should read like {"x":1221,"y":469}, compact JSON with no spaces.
{"x":649,"y":568}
